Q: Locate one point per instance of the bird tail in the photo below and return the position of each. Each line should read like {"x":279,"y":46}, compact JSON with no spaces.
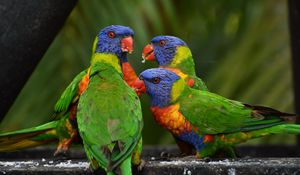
{"x":242,"y":136}
{"x":270,"y":113}
{"x":278,"y":129}
{"x":266,"y":117}
{"x":25,"y":138}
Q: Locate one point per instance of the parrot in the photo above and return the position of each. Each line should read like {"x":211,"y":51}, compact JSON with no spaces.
{"x":109,"y":113}
{"x":207,"y":120}
{"x":64,"y":127}
{"x":173,"y":54}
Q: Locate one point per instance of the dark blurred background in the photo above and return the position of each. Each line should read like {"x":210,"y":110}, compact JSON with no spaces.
{"x":241,"y":49}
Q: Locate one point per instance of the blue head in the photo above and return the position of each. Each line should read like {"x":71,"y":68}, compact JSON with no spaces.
{"x":159,"y":83}
{"x":162,"y":49}
{"x":115,"y":39}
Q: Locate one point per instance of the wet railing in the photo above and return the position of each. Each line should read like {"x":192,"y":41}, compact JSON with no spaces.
{"x":159,"y":161}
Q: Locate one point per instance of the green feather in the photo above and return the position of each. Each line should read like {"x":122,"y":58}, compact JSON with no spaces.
{"x":109,"y":117}
{"x":230,"y":122}
{"x":46,"y":126}
{"x":30,"y":137}
{"x":184,"y":61}
{"x":69,"y":94}
{"x":214,"y":114}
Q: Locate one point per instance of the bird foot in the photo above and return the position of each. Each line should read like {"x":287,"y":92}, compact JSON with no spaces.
{"x":182,"y":154}
{"x":165,"y":155}
{"x":141,"y":165}
{"x":206,"y":159}
{"x":62,"y":151}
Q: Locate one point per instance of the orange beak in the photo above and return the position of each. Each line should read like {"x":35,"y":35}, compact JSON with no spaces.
{"x":148,"y":53}
{"x":127,"y":44}
{"x":139,"y":87}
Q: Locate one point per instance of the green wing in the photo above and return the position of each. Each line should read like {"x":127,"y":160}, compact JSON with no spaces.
{"x":199,"y":83}
{"x":69,"y":95}
{"x":109,"y":118}
{"x":214,"y":114}
{"x":188,"y":67}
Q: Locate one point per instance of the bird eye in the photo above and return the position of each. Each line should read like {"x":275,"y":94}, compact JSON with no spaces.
{"x":111,"y":34}
{"x":162,"y":42}
{"x":156,"y":80}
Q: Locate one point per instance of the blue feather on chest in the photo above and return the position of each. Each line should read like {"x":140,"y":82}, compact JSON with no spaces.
{"x":194,"y":139}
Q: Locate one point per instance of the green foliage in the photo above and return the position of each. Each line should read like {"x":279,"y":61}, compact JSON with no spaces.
{"x":241,"y":50}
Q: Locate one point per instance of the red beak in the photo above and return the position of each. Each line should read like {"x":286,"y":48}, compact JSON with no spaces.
{"x":139,"y":87}
{"x":148,"y":53}
{"x":127,"y":44}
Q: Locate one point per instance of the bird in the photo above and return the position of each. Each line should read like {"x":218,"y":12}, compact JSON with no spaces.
{"x":207,"y":120}
{"x":173,"y":53}
{"x":110,"y":46}
{"x":109,"y":113}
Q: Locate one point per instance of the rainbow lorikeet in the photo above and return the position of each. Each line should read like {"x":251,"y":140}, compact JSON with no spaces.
{"x":64,"y":127}
{"x":173,"y":54}
{"x":109,"y":114}
{"x":206,"y":120}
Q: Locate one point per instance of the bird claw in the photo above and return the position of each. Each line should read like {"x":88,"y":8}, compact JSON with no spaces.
{"x":141,"y":165}
{"x":61,"y":152}
{"x":164,"y":155}
{"x":206,"y":159}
